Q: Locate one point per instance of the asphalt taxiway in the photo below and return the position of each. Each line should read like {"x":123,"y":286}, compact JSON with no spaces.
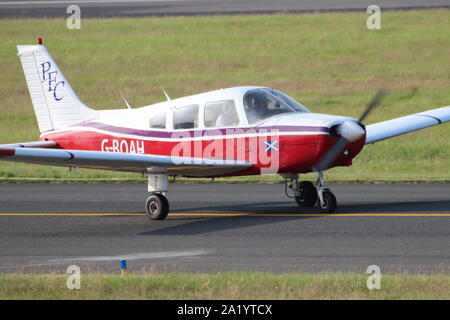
{"x":224,"y":227}
{"x":137,"y":8}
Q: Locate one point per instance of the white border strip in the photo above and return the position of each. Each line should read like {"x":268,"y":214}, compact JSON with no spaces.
{"x":216,"y":137}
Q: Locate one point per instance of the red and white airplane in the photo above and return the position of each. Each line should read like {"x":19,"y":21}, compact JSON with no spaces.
{"x":227,"y":132}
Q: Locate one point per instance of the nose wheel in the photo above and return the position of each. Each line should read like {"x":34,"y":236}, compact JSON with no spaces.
{"x":308,"y":194}
{"x":327,"y":201}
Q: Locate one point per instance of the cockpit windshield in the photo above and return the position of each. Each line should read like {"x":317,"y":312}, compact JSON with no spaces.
{"x":263,"y":103}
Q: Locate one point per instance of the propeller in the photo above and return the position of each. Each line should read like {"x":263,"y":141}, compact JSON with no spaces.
{"x":350,"y":132}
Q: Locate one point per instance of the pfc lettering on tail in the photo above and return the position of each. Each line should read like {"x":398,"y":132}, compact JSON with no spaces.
{"x":51,"y":78}
{"x":124,"y":146}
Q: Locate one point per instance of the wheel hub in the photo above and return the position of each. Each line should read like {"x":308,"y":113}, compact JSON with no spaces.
{"x":154,"y":207}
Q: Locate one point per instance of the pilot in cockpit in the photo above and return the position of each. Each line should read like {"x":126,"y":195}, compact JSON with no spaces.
{"x":257,"y":103}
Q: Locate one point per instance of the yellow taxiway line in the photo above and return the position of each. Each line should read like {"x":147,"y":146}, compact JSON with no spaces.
{"x":240,"y":214}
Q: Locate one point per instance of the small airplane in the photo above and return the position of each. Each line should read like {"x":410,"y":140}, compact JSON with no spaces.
{"x":228,"y":132}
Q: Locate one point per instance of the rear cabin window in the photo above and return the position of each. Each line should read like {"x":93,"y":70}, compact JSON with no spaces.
{"x":221,"y":114}
{"x":186,"y":117}
{"x":158,"y":121}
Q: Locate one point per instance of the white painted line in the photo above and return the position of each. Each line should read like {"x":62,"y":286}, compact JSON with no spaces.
{"x":129,"y":257}
{"x":133,"y":256}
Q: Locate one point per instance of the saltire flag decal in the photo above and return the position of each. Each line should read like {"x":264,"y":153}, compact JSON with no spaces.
{"x":271,"y":145}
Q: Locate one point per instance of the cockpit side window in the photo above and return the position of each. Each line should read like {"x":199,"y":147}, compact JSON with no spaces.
{"x":259,"y":104}
{"x":158,"y":121}
{"x":221,"y":114}
{"x":186,"y":117}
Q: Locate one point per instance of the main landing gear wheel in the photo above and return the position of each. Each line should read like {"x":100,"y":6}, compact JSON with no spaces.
{"x":306,"y":195}
{"x":329,"y":203}
{"x":157,"y":207}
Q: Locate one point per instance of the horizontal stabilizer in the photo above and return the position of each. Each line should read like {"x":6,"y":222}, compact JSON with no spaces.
{"x":33,"y":144}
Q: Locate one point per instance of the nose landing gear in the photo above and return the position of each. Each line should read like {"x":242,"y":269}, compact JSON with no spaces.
{"x":307,"y":194}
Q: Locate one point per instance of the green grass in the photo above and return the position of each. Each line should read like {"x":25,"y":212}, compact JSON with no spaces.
{"x":329,"y":61}
{"x":225,"y":286}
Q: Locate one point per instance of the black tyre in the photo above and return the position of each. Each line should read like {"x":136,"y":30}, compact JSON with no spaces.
{"x":306,"y":194}
{"x":157,"y":207}
{"x":329,"y":202}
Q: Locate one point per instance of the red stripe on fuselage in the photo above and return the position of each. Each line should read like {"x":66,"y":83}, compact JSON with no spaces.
{"x":4,"y":152}
{"x":290,"y":153}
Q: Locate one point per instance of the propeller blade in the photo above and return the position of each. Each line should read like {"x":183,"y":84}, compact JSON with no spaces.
{"x":349,"y":133}
{"x":331,"y":155}
{"x":376,"y":100}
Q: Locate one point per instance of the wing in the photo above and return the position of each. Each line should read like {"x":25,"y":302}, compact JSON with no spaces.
{"x":395,"y":127}
{"x":193,"y":167}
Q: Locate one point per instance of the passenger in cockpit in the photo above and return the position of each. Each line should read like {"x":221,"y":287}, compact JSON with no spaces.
{"x":228,"y":117}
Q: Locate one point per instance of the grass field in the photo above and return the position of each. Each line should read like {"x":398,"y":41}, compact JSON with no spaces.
{"x":329,"y":61}
{"x":225,"y":286}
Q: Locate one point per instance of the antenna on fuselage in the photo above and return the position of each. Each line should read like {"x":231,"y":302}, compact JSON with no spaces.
{"x":162,"y":88}
{"x":126,"y":102}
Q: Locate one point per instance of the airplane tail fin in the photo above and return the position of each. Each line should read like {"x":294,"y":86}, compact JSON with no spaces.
{"x":55,"y":103}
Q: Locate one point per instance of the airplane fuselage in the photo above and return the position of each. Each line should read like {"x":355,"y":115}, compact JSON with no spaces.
{"x":283,"y":143}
